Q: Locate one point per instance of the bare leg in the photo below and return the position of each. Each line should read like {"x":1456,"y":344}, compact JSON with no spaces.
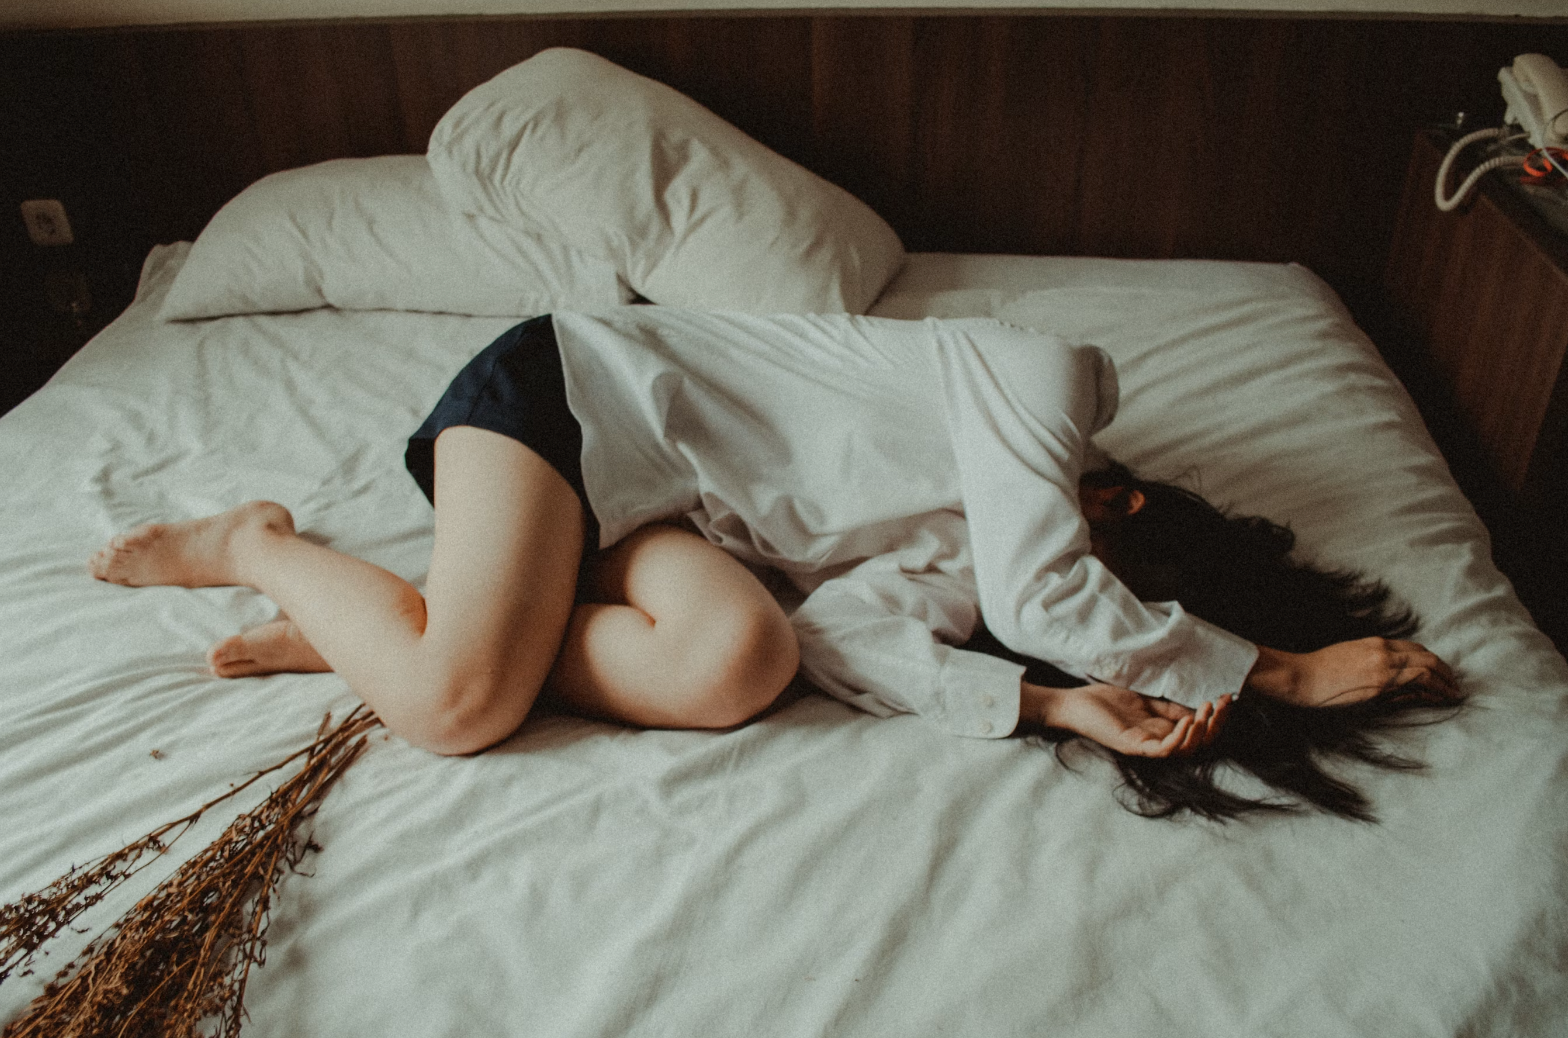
{"x":690,"y":640}
{"x":454,"y":670}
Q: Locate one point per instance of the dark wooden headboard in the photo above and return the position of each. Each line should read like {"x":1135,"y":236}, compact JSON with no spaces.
{"x":1146,"y":136}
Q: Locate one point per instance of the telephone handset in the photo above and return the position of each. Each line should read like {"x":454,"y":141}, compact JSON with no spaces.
{"x":1537,"y":94}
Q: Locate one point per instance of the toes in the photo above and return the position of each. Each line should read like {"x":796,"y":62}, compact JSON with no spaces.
{"x":234,"y":667}
{"x":222,"y":652}
{"x":108,"y":562}
{"x":101,"y":565}
{"x":230,"y":658}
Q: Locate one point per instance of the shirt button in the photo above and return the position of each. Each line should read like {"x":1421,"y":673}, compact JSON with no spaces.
{"x":989,"y":700}
{"x":986,"y":727}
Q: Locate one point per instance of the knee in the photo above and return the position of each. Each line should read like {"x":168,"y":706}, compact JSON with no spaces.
{"x":749,"y":658}
{"x":464,"y":713}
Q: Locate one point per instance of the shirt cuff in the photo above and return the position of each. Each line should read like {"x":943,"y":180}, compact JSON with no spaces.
{"x":981,"y":694}
{"x":1201,"y":665}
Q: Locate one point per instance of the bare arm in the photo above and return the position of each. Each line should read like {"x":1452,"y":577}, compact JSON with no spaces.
{"x":1350,"y":672}
{"x":1339,"y":675}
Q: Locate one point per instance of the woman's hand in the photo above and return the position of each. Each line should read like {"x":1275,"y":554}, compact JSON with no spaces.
{"x":1350,"y":672}
{"x":1122,"y":720}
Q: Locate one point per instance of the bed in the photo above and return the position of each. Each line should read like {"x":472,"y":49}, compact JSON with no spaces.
{"x":819,"y":871}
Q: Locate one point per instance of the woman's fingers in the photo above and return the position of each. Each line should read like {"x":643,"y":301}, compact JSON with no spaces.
{"x":1192,"y":729}
{"x":1419,"y":665}
{"x":1161,"y":728}
{"x":1217,"y":719}
{"x":1167,"y":746}
{"x":1197,"y":734}
{"x":1207,"y":724}
{"x":1167,"y":709}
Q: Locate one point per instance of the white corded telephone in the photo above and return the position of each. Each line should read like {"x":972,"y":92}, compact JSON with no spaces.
{"x":1537,"y":94}
{"x":1536,"y":91}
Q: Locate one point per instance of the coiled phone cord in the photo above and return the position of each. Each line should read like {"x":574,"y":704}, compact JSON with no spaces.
{"x":1446,"y":204}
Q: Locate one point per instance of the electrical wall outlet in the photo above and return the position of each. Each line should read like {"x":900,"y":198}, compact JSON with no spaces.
{"x":46,"y":222}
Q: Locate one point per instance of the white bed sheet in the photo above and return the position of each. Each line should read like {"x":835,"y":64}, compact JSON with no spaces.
{"x":819,"y":872}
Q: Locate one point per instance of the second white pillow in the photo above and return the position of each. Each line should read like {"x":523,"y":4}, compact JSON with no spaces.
{"x":376,"y":234}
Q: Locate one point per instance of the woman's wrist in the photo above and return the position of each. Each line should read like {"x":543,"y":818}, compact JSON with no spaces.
{"x":1040,"y":705}
{"x":1275,"y":674}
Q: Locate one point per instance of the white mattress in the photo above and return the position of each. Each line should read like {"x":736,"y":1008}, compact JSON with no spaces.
{"x":820,"y":872}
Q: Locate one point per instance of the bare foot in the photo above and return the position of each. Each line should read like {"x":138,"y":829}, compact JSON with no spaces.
{"x":194,"y":553}
{"x":273,"y":648}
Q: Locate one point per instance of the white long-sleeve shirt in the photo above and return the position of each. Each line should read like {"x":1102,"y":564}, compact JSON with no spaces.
{"x":911,"y":477}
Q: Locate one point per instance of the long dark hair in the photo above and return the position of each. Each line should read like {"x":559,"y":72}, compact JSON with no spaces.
{"x":1237,"y":572}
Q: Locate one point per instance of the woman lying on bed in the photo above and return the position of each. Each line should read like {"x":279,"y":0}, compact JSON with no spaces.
{"x":909,"y":477}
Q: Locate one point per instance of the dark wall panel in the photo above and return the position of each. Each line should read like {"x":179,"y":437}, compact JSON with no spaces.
{"x":1266,"y":138}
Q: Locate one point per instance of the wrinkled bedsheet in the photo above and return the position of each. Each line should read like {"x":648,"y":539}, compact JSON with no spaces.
{"x":820,"y":871}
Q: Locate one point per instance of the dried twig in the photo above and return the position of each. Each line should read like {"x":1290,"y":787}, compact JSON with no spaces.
{"x":183,"y":954}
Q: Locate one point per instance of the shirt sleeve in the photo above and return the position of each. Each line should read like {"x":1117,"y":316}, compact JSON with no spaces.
{"x":1021,"y":408}
{"x":881,"y":637}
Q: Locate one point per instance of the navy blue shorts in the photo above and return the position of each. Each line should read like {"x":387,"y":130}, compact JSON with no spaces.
{"x":514,"y":386}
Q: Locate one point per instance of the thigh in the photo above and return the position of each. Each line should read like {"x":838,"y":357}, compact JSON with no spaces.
{"x":503,"y":571}
{"x":683,"y":636}
{"x":680,"y":578}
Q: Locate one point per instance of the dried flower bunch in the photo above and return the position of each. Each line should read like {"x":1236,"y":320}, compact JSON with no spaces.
{"x":182,"y":955}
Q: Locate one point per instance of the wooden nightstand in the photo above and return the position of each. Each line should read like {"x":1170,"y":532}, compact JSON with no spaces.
{"x":1486,"y":289}
{"x":1479,"y":332}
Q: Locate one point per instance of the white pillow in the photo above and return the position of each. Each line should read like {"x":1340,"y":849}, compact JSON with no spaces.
{"x":691,"y":211}
{"x":376,"y":234}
